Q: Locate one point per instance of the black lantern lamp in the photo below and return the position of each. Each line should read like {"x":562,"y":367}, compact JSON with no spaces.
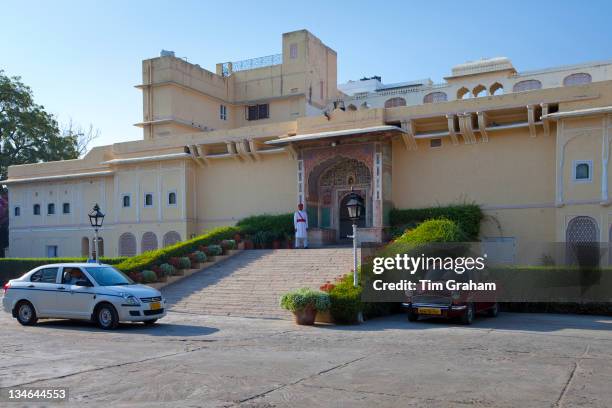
{"x":354,"y":206}
{"x":96,"y":218}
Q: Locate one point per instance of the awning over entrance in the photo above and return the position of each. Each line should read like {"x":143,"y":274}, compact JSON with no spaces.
{"x":335,"y":133}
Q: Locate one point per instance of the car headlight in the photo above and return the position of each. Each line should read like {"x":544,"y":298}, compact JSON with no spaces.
{"x":130,"y":299}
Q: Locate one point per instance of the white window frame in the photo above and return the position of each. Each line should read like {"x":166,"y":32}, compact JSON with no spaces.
{"x":144,"y":200}
{"x":124,"y":195}
{"x":223,"y":112}
{"x":575,"y":165}
{"x":51,"y":205}
{"x":168,"y":199}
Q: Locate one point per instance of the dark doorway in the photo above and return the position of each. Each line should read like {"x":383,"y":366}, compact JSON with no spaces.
{"x":346,"y":225}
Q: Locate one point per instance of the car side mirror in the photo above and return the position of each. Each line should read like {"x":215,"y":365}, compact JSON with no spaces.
{"x":83,"y":283}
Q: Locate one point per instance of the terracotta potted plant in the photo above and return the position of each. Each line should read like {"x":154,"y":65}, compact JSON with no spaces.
{"x":248,"y":244}
{"x":304,"y":303}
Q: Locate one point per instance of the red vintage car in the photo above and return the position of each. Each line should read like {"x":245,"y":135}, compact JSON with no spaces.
{"x":457,"y":299}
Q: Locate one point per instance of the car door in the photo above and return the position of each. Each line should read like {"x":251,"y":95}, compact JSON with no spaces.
{"x":74,"y":301}
{"x":42,"y":290}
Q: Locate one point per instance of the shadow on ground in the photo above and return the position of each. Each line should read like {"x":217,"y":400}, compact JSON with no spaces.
{"x":159,"y":329}
{"x":534,"y":322}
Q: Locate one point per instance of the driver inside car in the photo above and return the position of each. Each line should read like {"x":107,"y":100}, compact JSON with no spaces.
{"x":72,"y":276}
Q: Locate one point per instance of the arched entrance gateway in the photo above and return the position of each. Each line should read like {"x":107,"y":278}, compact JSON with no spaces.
{"x":331,"y":162}
{"x":329,"y":185}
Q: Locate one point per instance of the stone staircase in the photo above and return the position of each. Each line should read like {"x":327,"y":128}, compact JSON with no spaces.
{"x":251,"y":283}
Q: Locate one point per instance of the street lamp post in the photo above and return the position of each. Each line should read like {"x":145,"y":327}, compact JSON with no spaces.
{"x":96,"y":218}
{"x":354,"y":207}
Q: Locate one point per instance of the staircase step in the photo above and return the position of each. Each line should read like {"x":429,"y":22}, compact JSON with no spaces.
{"x":251,"y":283}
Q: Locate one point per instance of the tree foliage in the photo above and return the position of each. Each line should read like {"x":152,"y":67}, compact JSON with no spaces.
{"x":29,"y":134}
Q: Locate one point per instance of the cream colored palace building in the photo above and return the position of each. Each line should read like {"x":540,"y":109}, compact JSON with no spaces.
{"x":258,"y":136}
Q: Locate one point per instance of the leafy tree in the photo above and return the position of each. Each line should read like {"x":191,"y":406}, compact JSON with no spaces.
{"x":29,"y":134}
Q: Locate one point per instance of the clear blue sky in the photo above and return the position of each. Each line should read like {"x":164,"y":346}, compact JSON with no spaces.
{"x":83,"y":58}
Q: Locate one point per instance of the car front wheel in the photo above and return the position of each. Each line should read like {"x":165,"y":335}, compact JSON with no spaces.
{"x":468,"y":316}
{"x":26,"y":314}
{"x":106,"y":317}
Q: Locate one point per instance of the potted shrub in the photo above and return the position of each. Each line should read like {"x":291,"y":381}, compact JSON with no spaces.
{"x":148,"y":276}
{"x":174,"y":261}
{"x":304,"y":303}
{"x":215,"y":250}
{"x":199,"y":257}
{"x":161,"y":276}
{"x":228,"y":245}
{"x":248,"y":243}
{"x":184,"y":263}
{"x":237,"y":239}
{"x":167,"y":269}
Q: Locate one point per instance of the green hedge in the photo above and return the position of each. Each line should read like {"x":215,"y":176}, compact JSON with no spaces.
{"x":467,"y":217}
{"x":437,"y":230}
{"x":273,"y":226}
{"x":345,"y":301}
{"x":11,"y":268}
{"x":158,"y":256}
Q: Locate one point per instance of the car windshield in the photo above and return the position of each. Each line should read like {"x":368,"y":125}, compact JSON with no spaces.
{"x":107,"y":276}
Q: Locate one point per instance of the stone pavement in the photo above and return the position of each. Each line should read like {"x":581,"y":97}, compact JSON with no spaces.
{"x":191,"y":360}
{"x":251,"y":283}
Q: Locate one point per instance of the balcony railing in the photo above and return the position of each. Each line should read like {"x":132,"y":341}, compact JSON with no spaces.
{"x":253,"y":63}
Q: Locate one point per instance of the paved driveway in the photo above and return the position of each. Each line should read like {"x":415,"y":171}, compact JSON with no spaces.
{"x":525,"y":360}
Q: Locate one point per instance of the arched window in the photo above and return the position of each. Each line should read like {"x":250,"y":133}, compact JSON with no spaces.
{"x":395,"y":102}
{"x":582,"y":237}
{"x":36,"y":209}
{"x":434,"y":97}
{"x":127,"y":244}
{"x":171,"y":238}
{"x":352,"y":107}
{"x":479,"y":91}
{"x":50,"y":209}
{"x":101,"y":246}
{"x":579,"y":78}
{"x":496,"y":89}
{"x":149,"y":242}
{"x":527,"y":85}
{"x":85,"y":247}
{"x":463,"y":93}
{"x":172,"y":199}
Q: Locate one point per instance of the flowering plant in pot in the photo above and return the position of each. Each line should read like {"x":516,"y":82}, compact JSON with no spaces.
{"x":248,"y":243}
{"x":228,"y":245}
{"x":148,"y":276}
{"x":199,"y":257}
{"x":304,"y":303}
{"x":161,"y":276}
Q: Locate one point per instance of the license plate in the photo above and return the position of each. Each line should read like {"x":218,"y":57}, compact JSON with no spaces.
{"x":429,"y":311}
{"x":155,"y":306}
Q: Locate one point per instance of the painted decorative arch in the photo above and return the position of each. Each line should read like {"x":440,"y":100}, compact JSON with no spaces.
{"x":479,"y":91}
{"x":434,"y":97}
{"x":148,"y":242}
{"x":395,"y":102}
{"x":578,"y":78}
{"x":463,"y":93}
{"x":527,"y":85}
{"x":127,"y":244}
{"x":496,"y":89}
{"x":171,"y":238}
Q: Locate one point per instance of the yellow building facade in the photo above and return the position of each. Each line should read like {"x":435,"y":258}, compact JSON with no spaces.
{"x":259,"y":136}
